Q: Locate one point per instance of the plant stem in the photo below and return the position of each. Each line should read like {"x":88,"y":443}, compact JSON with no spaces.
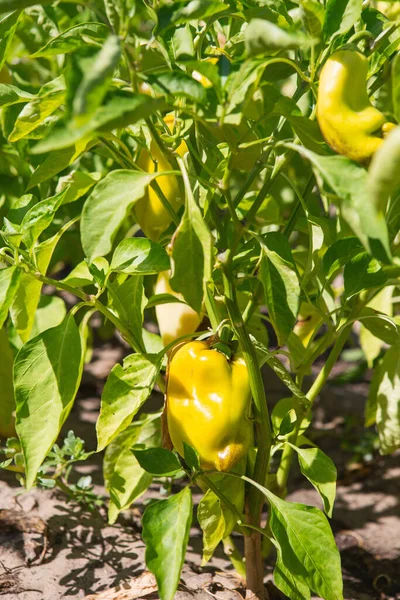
{"x":254,"y":500}
{"x":234,"y":556}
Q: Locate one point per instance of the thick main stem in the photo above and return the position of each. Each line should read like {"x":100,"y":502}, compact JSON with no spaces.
{"x":254,"y":500}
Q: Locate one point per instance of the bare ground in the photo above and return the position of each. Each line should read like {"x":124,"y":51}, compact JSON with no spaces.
{"x":51,"y":550}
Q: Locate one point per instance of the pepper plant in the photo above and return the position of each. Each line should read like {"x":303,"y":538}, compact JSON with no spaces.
{"x":163,"y":159}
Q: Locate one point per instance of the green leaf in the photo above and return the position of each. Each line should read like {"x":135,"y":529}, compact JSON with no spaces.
{"x":158,"y":461}
{"x":27,"y":297}
{"x":349,"y":182}
{"x":178,"y":84}
{"x":383,"y":172}
{"x":264,"y":37}
{"x":306,"y":545}
{"x":126,"y":389}
{"x":313,"y":14}
{"x":284,"y":407}
{"x":8,"y":26}
{"x":139,"y":256}
{"x":182,"y":43}
{"x":361,"y":273}
{"x":51,"y":311}
{"x":106,"y":208}
{"x":39,"y":217}
{"x":54,"y":163}
{"x":339,"y":254}
{"x":47,"y":374}
{"x":340,"y":16}
{"x":10,"y":94}
{"x":293,"y":587}
{"x":191,"y":254}
{"x":127,"y":301}
{"x":9,"y":280}
{"x":281,"y":285}
{"x":49,"y":99}
{"x":166,"y":526}
{"x":72,"y":39}
{"x":320,"y":472}
{"x":124,"y":478}
{"x":119,"y":111}
{"x":198,"y":9}
{"x":78,"y":183}
{"x":191,"y":457}
{"x":396,"y":86}
{"x":80,"y":276}
{"x":385,"y":394}
{"x":7,"y":403}
{"x":96,"y":79}
{"x":377,"y":326}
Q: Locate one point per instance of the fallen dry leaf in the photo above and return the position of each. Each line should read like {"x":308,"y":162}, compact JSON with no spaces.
{"x":138,"y":587}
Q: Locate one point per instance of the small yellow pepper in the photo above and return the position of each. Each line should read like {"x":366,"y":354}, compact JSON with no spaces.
{"x":174,"y":319}
{"x":150,"y":212}
{"x":208,"y":404}
{"x":350,"y":124}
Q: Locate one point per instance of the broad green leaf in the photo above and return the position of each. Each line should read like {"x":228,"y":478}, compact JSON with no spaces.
{"x":306,"y":545}
{"x":212,"y":523}
{"x":264,"y":37}
{"x":120,"y":110}
{"x":49,"y":99}
{"x":10,"y":94}
{"x":47,"y":374}
{"x":215,"y":518}
{"x":361,"y":273}
{"x":313,"y":15}
{"x":191,"y":254}
{"x":178,"y":84}
{"x":293,"y":587}
{"x":9,"y":280}
{"x":127,"y":301}
{"x":320,"y":472}
{"x":114,"y":11}
{"x":280,"y":411}
{"x":386,"y":390}
{"x":182,"y":43}
{"x":80,"y":276}
{"x":139,"y":256}
{"x":281,"y":285}
{"x":158,"y":461}
{"x":51,"y":311}
{"x":126,"y":389}
{"x":106,"y":208}
{"x":340,"y":16}
{"x":55,"y":162}
{"x":389,"y":37}
{"x":349,"y":182}
{"x":378,"y":328}
{"x":39,"y":217}
{"x":27,"y":297}
{"x":383,"y":172}
{"x":78,"y":183}
{"x":339,"y":254}
{"x":8,"y":25}
{"x":8,"y":5}
{"x":198,"y":9}
{"x":7,"y":401}
{"x":166,"y":526}
{"x":75,"y":37}
{"x":97,"y":78}
{"x":396,"y":85}
{"x":124,"y":478}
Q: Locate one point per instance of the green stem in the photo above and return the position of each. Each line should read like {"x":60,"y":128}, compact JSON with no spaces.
{"x":234,"y":556}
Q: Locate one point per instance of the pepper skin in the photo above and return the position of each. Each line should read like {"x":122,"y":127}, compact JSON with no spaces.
{"x":174,"y":319}
{"x":208,"y":403}
{"x":150,"y":213}
{"x":348,"y":121}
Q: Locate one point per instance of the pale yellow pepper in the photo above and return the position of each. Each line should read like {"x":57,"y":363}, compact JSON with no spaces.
{"x":174,"y":319}
{"x":208,"y":403}
{"x":150,"y":212}
{"x":350,"y":124}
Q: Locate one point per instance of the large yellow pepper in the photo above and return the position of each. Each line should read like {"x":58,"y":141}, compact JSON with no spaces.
{"x":151,"y":214}
{"x":208,"y":405}
{"x":174,"y":319}
{"x":348,"y":121}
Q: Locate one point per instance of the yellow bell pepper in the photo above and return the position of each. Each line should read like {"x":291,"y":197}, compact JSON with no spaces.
{"x":208,"y":403}
{"x":150,"y":213}
{"x":348,"y":121}
{"x":174,"y":319}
